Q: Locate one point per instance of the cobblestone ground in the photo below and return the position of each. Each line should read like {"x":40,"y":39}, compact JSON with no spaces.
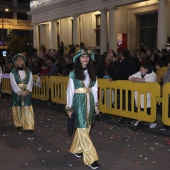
{"x":118,"y":147}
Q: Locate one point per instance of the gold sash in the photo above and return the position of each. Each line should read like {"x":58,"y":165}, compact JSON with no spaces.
{"x":82,"y":90}
{"x":22,"y":86}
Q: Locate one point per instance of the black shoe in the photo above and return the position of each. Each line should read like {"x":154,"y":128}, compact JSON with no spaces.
{"x":30,"y":131}
{"x":78,"y":155}
{"x":94,"y":165}
{"x":164,"y":128}
{"x":121,"y":121}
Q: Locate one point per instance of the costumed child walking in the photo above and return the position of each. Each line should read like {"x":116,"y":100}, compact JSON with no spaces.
{"x":82,"y":100}
{"x":22,"y":82}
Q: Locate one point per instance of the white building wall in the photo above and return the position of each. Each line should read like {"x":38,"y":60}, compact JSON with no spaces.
{"x":42,"y":34}
{"x":93,"y":39}
{"x":87,"y":28}
{"x":65,"y":31}
{"x":126,"y":18}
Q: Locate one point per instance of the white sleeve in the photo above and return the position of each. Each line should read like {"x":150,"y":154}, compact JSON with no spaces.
{"x":95,"y":92}
{"x":151,"y":77}
{"x":138,"y":75}
{"x":14,"y":85}
{"x":30,"y":83}
{"x":70,"y":92}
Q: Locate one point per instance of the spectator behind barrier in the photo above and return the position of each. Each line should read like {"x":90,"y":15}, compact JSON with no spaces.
{"x":144,"y":75}
{"x":160,"y":71}
{"x":53,"y":70}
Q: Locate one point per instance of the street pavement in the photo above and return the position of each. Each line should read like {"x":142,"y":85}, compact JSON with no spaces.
{"x":118,"y":147}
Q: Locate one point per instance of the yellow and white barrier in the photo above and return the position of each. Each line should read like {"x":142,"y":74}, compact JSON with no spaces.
{"x":116,"y":97}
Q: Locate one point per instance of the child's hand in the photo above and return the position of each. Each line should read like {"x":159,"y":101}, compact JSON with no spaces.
{"x":96,"y":111}
{"x":69,"y":113}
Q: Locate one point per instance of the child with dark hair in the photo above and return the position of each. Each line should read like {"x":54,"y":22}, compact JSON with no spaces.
{"x":160,"y":71}
{"x":144,"y":75}
{"x":82,"y":99}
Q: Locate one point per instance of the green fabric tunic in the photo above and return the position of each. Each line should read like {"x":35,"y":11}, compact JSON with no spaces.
{"x":16,"y":99}
{"x":79,"y":104}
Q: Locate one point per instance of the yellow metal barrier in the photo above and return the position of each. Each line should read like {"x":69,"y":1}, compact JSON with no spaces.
{"x":117,"y":98}
{"x":166,"y":104}
{"x":41,"y":93}
{"x":58,"y":86}
{"x":6,"y":86}
{"x":37,"y":93}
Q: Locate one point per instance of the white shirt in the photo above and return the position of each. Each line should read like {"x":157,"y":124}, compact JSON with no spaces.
{"x":71,"y":88}
{"x":148,"y":78}
{"x":14,"y":85}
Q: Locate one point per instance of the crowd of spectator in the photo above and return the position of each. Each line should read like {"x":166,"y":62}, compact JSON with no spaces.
{"x":110,"y":65}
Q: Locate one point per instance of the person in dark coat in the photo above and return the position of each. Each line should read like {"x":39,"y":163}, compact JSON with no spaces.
{"x":125,"y":68}
{"x":106,"y":67}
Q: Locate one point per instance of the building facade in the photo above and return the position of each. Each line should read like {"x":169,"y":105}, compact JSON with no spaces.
{"x":13,"y":20}
{"x":100,"y":24}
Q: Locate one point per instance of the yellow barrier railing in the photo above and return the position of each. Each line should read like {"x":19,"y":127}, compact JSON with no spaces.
{"x":41,"y":93}
{"x":119,"y":99}
{"x":116,"y":97}
{"x":58,"y":89}
{"x":6,"y":86}
{"x":166,"y":104}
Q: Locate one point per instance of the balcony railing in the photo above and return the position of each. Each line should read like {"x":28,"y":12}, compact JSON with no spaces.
{"x":39,"y":3}
{"x":15,"y":22}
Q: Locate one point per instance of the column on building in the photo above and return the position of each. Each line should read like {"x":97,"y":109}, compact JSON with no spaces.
{"x":36,"y":37}
{"x":15,"y":14}
{"x":53,"y":35}
{"x":76,"y":31}
{"x":162,"y":26}
{"x":103,"y":32}
{"x":42,"y":33}
{"x":112,"y":29}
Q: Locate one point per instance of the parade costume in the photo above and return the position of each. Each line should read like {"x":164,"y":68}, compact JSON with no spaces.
{"x":21,"y":81}
{"x":82,"y":97}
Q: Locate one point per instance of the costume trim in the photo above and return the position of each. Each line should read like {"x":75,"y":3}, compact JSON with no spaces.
{"x":22,"y":86}
{"x":83,"y":52}
{"x":67,"y":108}
{"x":82,"y":90}
{"x":96,"y":105}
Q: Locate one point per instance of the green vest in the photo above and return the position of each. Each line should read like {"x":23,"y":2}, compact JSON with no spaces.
{"x":16,"y":99}
{"x":79,"y":104}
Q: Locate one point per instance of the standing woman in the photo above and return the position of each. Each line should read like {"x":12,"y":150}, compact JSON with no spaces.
{"x":82,"y":100}
{"x":21,"y":82}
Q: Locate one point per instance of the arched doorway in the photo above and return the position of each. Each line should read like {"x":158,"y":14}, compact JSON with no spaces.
{"x":148,"y":29}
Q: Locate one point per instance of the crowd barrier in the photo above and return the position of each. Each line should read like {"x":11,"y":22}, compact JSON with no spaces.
{"x":120,"y":98}
{"x":165,"y":100}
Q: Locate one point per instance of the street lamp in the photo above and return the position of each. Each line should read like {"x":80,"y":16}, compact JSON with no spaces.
{"x":2,"y":30}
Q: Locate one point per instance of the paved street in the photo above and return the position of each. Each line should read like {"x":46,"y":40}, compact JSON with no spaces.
{"x":118,"y":147}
